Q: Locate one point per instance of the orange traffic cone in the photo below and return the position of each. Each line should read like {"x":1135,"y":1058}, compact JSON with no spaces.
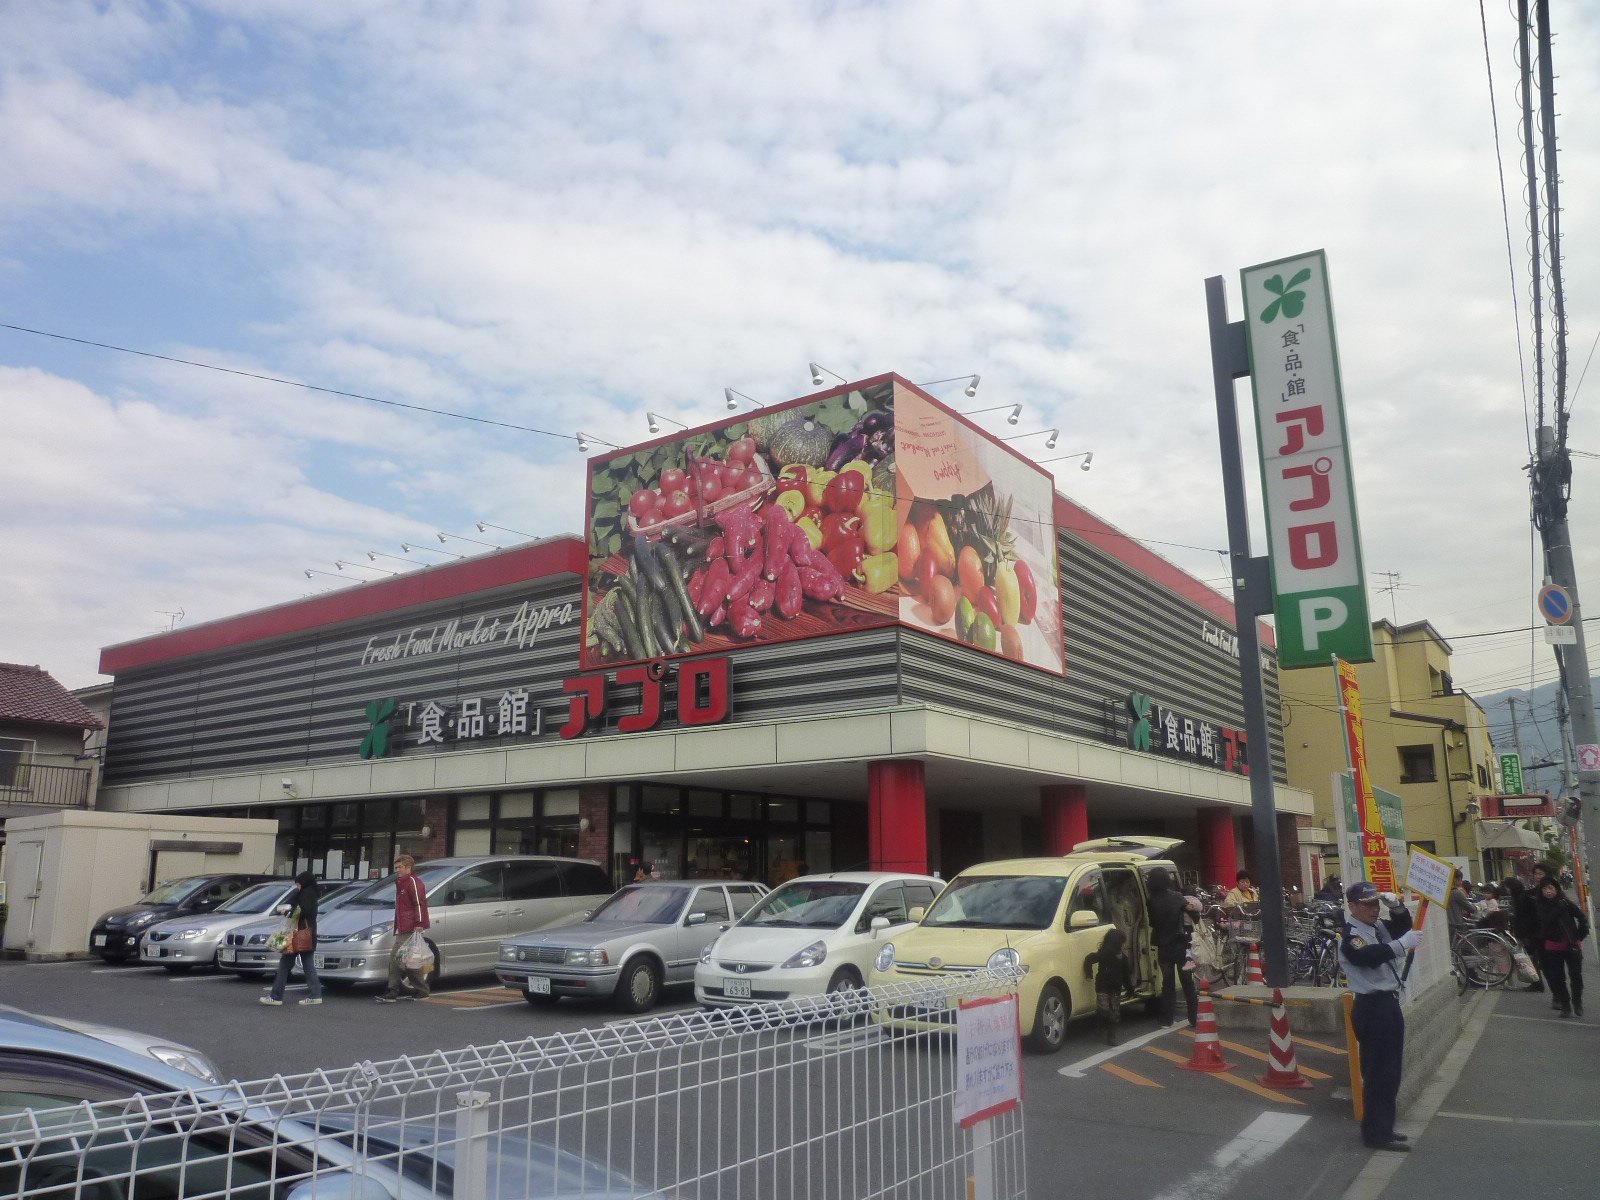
{"x":1252,"y":968}
{"x":1281,"y":1069}
{"x":1207,"y":1050}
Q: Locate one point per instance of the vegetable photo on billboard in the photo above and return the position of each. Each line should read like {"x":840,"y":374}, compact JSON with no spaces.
{"x":751,"y":530}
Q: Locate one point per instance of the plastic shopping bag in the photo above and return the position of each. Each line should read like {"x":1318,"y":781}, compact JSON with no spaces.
{"x":415,"y":955}
{"x":278,"y":940}
{"x":1525,"y":967}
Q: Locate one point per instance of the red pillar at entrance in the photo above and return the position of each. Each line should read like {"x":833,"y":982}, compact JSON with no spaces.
{"x":1219,"y":861}
{"x":1064,"y":811}
{"x":897,"y":816}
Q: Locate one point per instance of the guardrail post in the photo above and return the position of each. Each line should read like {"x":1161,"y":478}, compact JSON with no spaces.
{"x":981,"y":1183}
{"x":472,"y":1146}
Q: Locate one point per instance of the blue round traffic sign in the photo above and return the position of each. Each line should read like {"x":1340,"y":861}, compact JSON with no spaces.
{"x":1554,"y":604}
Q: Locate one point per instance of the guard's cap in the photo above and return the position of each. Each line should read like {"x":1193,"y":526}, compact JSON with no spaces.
{"x":1357,"y":892}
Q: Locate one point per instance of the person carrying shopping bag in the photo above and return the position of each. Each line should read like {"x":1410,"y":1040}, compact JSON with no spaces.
{"x":410,"y":917}
{"x":299,"y":941}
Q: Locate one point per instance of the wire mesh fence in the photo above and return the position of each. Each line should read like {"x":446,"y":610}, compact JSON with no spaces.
{"x":851,"y":1095}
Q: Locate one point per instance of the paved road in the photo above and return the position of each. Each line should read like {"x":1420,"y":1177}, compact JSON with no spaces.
{"x":1130,"y":1124}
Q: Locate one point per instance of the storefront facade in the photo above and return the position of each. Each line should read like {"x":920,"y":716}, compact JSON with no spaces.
{"x":449,"y":711}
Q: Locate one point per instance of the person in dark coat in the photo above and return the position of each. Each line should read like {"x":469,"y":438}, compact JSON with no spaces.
{"x":1562,"y":929}
{"x":1524,"y":925}
{"x":1113,"y":979}
{"x":1169,"y":930}
{"x":303,"y":943}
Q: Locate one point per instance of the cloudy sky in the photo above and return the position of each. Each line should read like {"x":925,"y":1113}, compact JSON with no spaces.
{"x":560,"y":215}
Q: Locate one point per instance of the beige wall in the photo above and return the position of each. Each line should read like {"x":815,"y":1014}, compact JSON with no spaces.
{"x":84,"y":863}
{"x":1406,"y":677}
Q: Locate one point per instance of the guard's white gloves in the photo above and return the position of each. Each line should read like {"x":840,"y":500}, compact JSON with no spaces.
{"x":1409,"y":939}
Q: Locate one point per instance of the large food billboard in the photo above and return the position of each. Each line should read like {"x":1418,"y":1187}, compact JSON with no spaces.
{"x":863,"y":507}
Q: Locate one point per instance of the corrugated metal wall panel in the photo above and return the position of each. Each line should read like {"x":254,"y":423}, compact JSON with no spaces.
{"x":300,"y":701}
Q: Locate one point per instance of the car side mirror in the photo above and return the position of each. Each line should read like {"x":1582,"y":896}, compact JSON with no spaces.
{"x":283,"y":910}
{"x":1084,"y":918}
{"x":917,"y":913}
{"x":695,"y":918}
{"x":879,"y":924}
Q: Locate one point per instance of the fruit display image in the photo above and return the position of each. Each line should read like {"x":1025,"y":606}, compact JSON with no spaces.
{"x":770,"y":529}
{"x":976,"y":551}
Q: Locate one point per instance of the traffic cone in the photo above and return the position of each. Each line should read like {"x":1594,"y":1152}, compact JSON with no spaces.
{"x":1207,"y":1050}
{"x":1281,"y":1069}
{"x":1252,"y":968}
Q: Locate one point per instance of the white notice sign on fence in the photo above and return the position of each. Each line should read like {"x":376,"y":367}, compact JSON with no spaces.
{"x":988,"y":1059}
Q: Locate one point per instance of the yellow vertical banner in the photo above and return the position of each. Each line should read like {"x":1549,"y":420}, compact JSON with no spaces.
{"x":1376,"y":863}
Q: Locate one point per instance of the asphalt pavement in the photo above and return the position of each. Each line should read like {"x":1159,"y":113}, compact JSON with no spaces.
{"x":1514,"y":1106}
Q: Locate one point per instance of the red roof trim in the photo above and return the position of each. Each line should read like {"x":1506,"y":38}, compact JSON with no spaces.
{"x":520,"y":564}
{"x":1120,"y":546}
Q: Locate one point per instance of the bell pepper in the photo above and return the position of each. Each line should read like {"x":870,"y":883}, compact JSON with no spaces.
{"x":862,"y":468}
{"x":837,"y":526}
{"x":813,"y":531}
{"x":817,"y":481}
{"x":882,"y":571}
{"x":880,"y":528}
{"x":792,"y":499}
{"x":847,"y":557}
{"x":844,"y":492}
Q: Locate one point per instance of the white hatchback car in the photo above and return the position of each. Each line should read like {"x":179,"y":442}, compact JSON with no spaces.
{"x":813,"y":935}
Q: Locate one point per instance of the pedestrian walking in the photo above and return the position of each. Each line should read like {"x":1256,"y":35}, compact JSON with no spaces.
{"x":302,"y":943}
{"x":1562,"y":930}
{"x":1370,"y":951}
{"x":1169,"y":930}
{"x":410,"y":916}
{"x":1518,"y":904}
{"x":1113,"y":978}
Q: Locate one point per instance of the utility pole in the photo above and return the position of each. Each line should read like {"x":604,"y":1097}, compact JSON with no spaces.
{"x":1551,"y":477}
{"x":1516,"y":730}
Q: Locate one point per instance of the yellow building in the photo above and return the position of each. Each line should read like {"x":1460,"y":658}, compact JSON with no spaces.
{"x":1426,"y":742}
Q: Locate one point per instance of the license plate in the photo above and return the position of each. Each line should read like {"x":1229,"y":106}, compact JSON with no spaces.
{"x":316,"y":961}
{"x":99,"y":939}
{"x":225,"y":954}
{"x":538,"y":985}
{"x":738,"y":989}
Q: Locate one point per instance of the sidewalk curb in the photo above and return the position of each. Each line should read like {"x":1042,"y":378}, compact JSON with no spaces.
{"x":1375,"y":1176}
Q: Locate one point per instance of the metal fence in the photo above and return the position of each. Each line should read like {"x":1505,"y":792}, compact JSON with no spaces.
{"x":39,"y":783}
{"x":849,"y":1096}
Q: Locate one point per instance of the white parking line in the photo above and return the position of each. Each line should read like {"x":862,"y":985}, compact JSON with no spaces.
{"x":197,"y":978}
{"x":1080,"y":1068}
{"x":655,"y":1012}
{"x":1256,"y":1143}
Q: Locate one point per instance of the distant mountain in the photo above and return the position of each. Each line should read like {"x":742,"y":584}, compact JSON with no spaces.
{"x":1537,"y":726}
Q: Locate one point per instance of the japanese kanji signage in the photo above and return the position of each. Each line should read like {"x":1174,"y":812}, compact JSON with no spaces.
{"x":1157,"y":729}
{"x":1511,"y":773}
{"x":1319,"y":593}
{"x":1377,"y":865}
{"x":988,"y":1059}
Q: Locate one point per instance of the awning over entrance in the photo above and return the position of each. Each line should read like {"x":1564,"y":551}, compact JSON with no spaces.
{"x":1503,"y":835}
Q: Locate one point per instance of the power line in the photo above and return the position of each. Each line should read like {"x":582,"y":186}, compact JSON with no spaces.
{"x":310,"y":387}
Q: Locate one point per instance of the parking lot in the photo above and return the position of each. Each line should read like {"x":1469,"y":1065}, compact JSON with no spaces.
{"x":1126,"y":1122}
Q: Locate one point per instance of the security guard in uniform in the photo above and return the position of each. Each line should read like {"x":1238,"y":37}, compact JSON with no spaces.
{"x":1370,"y":953}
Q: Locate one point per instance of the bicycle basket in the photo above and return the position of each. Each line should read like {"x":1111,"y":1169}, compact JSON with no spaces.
{"x":1245,"y":929}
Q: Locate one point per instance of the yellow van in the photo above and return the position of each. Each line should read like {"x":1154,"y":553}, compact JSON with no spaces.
{"x":1044,"y":916}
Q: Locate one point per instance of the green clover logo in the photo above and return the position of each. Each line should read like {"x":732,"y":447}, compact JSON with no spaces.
{"x":1139,"y":733}
{"x":1289,"y":301}
{"x":376,"y":743}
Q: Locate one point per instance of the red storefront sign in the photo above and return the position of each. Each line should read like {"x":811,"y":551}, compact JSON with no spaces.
{"x":703,"y":696}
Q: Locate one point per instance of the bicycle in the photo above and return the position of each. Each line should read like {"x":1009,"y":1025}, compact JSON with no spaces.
{"x":1483,"y":958}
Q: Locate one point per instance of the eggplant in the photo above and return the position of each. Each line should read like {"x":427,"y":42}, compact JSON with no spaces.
{"x":875,"y":421}
{"x":847,"y":447}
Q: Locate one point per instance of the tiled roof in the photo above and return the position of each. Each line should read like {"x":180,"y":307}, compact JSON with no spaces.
{"x":29,"y":694}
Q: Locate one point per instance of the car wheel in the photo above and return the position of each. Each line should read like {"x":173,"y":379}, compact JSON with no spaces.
{"x":1050,"y":1020}
{"x":844,"y":979}
{"x":639,"y":987}
{"x":177,"y":968}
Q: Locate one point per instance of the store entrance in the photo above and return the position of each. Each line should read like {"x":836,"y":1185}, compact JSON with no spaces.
{"x":719,"y":850}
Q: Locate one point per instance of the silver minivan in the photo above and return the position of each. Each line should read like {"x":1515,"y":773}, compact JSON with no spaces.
{"x":473,"y":905}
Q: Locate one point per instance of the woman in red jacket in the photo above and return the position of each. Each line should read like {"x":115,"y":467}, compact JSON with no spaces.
{"x":410,"y":915}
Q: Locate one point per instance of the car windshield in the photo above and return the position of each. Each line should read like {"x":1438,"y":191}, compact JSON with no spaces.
{"x":997,"y":902}
{"x":806,"y":904}
{"x":381,"y":894}
{"x":652,"y":905}
{"x":176,"y":891}
{"x":254,"y":900}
